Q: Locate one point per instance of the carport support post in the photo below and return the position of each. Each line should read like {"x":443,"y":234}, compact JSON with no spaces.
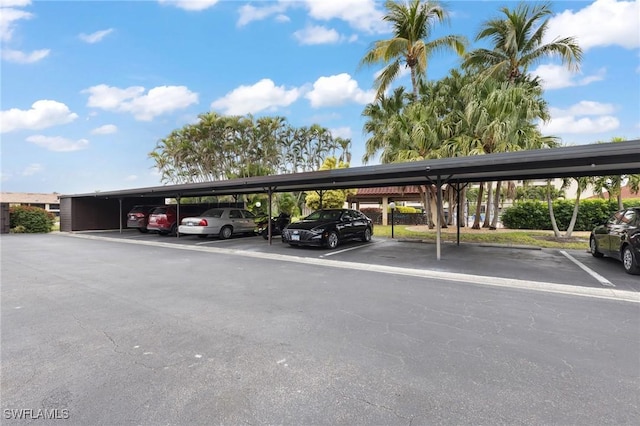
{"x":438,"y":219}
{"x":458,"y":211}
{"x":120,"y":203}
{"x":269,"y":214}
{"x":178,"y":216}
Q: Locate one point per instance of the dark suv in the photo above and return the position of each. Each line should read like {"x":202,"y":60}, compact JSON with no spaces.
{"x":164,"y":219}
{"x":138,"y":217}
{"x":619,"y":238}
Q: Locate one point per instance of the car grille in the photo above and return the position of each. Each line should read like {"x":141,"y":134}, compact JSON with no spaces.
{"x":304,"y":235}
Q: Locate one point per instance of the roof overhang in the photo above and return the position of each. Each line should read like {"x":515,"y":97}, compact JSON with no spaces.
{"x":616,"y":158}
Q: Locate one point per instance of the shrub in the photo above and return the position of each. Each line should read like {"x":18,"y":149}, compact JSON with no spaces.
{"x":535,"y":214}
{"x":30,"y":219}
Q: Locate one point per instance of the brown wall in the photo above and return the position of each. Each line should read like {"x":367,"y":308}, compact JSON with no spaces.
{"x":91,"y":213}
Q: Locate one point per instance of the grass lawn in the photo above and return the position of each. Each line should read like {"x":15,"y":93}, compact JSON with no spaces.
{"x":545,"y":239}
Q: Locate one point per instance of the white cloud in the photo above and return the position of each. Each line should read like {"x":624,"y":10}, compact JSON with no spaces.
{"x":602,"y":23}
{"x":8,"y":18}
{"x":105,"y":130}
{"x":264,"y":95}
{"x":193,"y":5}
{"x":341,"y":132}
{"x":582,"y":118}
{"x":32,"y":169}
{"x":360,"y":14}
{"x":249,"y":13}
{"x":95,"y":37}
{"x":14,"y":3}
{"x":315,"y":34}
{"x":58,"y":143}
{"x":24,"y":58}
{"x":159,"y":100}
{"x":337,"y":90}
{"x":43,"y":114}
{"x":131,"y":178}
{"x":558,"y":77}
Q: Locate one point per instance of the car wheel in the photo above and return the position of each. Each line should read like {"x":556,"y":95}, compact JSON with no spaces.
{"x":143,"y":230}
{"x":332,"y":240}
{"x":225,"y":232}
{"x":366,"y":235}
{"x":593,"y":248}
{"x":629,"y":262}
{"x":203,"y":236}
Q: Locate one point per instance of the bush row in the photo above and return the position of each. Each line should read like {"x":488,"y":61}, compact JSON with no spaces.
{"x":29,"y":219}
{"x":535,"y":214}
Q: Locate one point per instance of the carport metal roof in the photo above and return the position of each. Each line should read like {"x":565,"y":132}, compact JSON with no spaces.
{"x":582,"y":160}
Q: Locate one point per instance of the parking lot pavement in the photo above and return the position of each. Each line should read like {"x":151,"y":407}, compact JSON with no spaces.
{"x":573,"y":267}
{"x":114,"y":331}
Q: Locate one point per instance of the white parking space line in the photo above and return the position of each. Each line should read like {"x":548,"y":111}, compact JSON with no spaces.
{"x":347,"y":249}
{"x":588,"y":270}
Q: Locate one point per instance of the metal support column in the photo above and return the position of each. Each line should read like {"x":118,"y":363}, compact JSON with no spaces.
{"x":458,"y":211}
{"x":438,"y":219}
{"x":177,"y":216}
{"x":269,"y":214}
{"x":120,"y":210}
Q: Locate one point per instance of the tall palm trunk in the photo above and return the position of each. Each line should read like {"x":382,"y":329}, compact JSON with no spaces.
{"x":574,"y":216}
{"x":552,"y":216}
{"x":496,"y":206}
{"x":476,"y":221}
{"x":487,"y":210}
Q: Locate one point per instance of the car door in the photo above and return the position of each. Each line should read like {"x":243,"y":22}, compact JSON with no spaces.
{"x":619,"y":231}
{"x":359,"y":223}
{"x":248,"y":222}
{"x":346,"y":224}
{"x":612,"y":237}
{"x":236,"y":219}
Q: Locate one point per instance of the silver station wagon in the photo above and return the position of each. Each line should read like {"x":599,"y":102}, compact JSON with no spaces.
{"x":223,"y":222}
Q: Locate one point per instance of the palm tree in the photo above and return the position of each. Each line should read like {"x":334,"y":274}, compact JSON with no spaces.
{"x":412,"y":22}
{"x":518,"y":44}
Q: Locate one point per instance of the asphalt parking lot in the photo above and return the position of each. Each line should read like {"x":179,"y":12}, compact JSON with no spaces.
{"x":565,"y":267}
{"x":105,"y":328}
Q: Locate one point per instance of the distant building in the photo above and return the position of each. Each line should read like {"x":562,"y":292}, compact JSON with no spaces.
{"x":49,"y":202}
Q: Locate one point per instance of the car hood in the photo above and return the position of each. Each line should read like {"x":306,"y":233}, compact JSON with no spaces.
{"x":309,"y":224}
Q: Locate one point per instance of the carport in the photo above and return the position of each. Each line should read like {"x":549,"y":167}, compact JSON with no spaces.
{"x":104,"y":210}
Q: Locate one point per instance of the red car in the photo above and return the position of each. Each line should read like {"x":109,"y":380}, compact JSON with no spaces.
{"x":138,"y":217}
{"x":164,"y":220}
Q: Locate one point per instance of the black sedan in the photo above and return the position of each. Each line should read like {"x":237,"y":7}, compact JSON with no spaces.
{"x":329,"y":227}
{"x":619,"y":237}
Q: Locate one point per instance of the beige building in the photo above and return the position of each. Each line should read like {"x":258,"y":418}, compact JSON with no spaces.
{"x":49,"y":202}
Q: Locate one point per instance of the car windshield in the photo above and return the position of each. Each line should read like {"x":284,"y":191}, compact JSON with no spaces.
{"x":159,"y":210}
{"x":213,"y":213}
{"x":324,"y":215}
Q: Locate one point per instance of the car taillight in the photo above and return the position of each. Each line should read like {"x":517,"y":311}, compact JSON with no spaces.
{"x":203,"y":222}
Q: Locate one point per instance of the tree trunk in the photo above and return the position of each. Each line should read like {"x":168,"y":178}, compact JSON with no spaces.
{"x":443,"y":222}
{"x":487,"y":210}
{"x":452,"y":204}
{"x":476,"y":221}
{"x":574,"y":216}
{"x":496,"y":206}
{"x":552,"y":216}
{"x":465,"y":213}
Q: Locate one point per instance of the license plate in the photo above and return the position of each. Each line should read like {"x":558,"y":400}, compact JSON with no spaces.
{"x":295,"y":238}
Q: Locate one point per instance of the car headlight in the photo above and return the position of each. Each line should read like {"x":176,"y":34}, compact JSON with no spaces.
{"x":317,"y":230}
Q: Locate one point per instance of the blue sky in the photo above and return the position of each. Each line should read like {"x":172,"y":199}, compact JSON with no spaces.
{"x":88,"y":88}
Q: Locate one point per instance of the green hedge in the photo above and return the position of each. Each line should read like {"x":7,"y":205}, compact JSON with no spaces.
{"x":32,"y":220}
{"x":535,"y":214}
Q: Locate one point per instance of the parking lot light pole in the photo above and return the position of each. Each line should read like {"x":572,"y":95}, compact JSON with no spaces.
{"x":392,"y":206}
